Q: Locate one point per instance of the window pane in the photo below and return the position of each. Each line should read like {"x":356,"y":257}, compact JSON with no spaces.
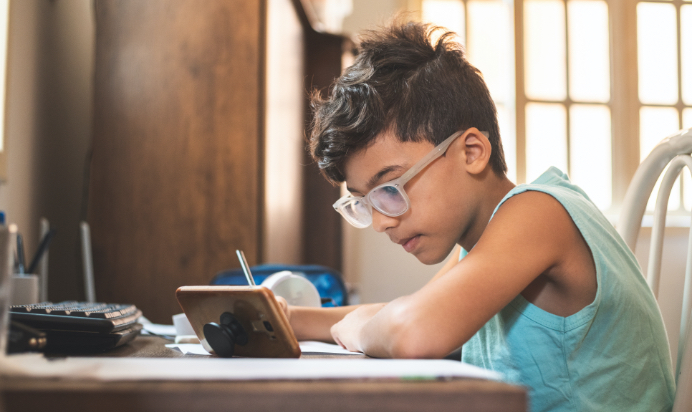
{"x":655,"y":124}
{"x":590,"y":152}
{"x":446,"y":13}
{"x":657,"y":53}
{"x":491,"y":47}
{"x":686,"y":49}
{"x":589,"y":64}
{"x":508,"y":137}
{"x":546,"y":138}
{"x":687,"y":118}
{"x":544,"y":49}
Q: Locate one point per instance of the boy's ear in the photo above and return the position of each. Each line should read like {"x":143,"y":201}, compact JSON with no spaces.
{"x":477,"y":149}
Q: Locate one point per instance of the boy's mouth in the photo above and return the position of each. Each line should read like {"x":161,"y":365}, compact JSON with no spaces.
{"x":410,"y":243}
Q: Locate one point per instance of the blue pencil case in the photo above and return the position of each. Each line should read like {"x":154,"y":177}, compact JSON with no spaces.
{"x":328,"y":282}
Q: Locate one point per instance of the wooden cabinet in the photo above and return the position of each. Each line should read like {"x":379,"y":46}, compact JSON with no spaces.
{"x":177,"y":179}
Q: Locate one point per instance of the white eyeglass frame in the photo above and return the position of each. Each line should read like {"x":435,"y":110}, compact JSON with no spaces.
{"x":398,"y":183}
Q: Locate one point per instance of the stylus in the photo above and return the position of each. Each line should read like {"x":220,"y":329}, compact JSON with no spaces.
{"x":245,"y":266}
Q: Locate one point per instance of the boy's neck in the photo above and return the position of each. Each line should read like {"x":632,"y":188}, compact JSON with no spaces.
{"x":495,"y":188}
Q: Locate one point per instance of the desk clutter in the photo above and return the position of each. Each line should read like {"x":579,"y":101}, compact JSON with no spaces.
{"x":72,"y":327}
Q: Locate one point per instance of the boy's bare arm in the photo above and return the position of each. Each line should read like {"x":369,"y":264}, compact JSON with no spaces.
{"x":530,"y":234}
{"x":314,"y":323}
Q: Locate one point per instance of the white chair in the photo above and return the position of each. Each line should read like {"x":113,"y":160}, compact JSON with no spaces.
{"x":674,"y":152}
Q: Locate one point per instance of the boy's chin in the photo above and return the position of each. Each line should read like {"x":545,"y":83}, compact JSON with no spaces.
{"x":430,"y":257}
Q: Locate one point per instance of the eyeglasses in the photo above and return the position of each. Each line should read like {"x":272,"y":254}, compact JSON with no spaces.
{"x":389,"y":198}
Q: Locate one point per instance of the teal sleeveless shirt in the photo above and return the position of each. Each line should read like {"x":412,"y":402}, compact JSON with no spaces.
{"x":610,"y":356}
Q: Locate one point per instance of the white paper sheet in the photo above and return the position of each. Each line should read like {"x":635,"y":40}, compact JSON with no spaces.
{"x":189,"y":348}
{"x":130,"y":369}
{"x":309,"y":346}
{"x":156,"y":329}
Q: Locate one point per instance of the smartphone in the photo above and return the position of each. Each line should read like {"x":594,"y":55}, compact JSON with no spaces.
{"x":249,"y":314}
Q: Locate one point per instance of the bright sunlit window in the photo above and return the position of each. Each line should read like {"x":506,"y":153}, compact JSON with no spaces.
{"x":664,"y":49}
{"x":560,"y":109}
{"x":567,"y":88}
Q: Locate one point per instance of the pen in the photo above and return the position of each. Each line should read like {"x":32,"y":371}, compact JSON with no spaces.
{"x":42,"y":247}
{"x":20,"y":254}
{"x":246,"y":268}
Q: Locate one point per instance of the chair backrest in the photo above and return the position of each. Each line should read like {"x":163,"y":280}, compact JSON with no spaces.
{"x":674,"y":152}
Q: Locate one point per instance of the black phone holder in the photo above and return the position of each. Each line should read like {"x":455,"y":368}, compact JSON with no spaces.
{"x":223,"y":336}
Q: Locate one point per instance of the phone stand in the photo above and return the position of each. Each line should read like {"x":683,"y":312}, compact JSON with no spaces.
{"x":224,"y":336}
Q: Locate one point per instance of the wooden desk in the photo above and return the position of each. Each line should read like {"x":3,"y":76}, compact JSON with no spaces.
{"x":304,"y":396}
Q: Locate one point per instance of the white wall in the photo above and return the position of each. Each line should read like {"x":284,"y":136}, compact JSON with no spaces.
{"x":284,"y":135}
{"x":49,"y":104}
{"x":378,"y":269}
{"x":19,"y":193}
{"x":367,"y":14}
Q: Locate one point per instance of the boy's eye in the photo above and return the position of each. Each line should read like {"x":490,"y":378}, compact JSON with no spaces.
{"x":390,"y":190}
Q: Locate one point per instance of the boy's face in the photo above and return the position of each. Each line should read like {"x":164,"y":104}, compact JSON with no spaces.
{"x":440,"y":194}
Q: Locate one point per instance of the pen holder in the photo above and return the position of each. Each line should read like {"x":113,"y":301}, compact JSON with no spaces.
{"x":25,"y":289}
{"x":7,"y":239}
{"x":182,"y":325}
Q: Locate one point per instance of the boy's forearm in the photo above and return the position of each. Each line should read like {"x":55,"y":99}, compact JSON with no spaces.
{"x":316,"y":323}
{"x":378,"y":336}
{"x":395,"y":332}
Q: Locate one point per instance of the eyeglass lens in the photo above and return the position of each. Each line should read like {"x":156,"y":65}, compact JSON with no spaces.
{"x":358,"y":212}
{"x":389,"y":200}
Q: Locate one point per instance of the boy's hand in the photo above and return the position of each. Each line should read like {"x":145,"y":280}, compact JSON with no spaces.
{"x":346,"y":332}
{"x":284,"y":307}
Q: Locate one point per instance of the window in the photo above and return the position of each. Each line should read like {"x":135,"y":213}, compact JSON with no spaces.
{"x":567,"y":93}
{"x":566,"y":99}
{"x":664,"y":62}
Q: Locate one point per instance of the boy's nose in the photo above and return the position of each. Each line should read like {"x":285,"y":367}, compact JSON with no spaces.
{"x":382,"y":222}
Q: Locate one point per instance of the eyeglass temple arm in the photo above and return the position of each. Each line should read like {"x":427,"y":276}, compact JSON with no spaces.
{"x":422,"y":163}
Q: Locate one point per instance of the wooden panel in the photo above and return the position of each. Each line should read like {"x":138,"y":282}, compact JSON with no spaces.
{"x":460,"y":395}
{"x":322,"y":230}
{"x":175,"y":182}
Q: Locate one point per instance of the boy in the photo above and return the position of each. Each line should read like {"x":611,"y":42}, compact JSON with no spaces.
{"x":542,"y":288}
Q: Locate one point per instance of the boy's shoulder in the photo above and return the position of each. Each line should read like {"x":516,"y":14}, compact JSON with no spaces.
{"x":535,"y":232}
{"x":538,"y":217}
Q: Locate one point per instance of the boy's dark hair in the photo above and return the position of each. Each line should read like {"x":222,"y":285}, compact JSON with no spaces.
{"x":401,"y":83}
